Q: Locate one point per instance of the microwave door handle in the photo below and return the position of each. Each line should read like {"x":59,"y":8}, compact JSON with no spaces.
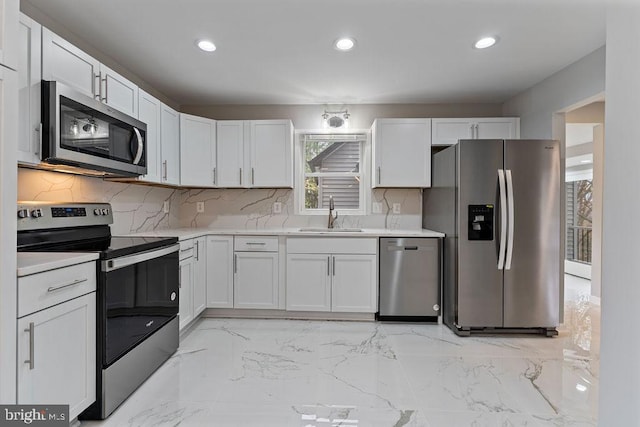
{"x":140,"y":149}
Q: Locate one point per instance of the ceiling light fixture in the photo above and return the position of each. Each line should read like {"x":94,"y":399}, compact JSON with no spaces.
{"x":336,"y":119}
{"x":206,"y":45}
{"x":486,"y":42}
{"x":344,"y":44}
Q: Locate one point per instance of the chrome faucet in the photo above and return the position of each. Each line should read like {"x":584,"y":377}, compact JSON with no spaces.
{"x":332,"y":215}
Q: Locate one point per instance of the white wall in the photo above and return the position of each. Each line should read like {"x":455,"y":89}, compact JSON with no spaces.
{"x":620,"y":357}
{"x":582,"y":80}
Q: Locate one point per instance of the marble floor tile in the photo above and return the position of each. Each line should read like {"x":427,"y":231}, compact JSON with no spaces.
{"x":248,"y":372}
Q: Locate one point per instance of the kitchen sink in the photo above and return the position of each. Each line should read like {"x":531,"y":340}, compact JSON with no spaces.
{"x":330,"y":230}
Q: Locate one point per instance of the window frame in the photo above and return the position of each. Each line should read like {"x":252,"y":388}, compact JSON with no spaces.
{"x":365,"y":172}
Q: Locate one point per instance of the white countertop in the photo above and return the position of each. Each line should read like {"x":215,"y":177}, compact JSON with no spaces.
{"x":190,"y":233}
{"x":37,"y":262}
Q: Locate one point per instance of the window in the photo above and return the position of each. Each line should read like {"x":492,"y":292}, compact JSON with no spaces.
{"x":579,"y":207}
{"x":331,"y":165}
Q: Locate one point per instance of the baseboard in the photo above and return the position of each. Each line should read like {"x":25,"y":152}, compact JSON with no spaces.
{"x":283,"y":314}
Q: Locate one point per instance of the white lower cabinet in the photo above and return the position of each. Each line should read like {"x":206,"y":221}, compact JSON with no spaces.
{"x":256,"y":280}
{"x":332,"y":274}
{"x":56,"y":353}
{"x":186,"y":285}
{"x":219,"y":271}
{"x":199,"y":276}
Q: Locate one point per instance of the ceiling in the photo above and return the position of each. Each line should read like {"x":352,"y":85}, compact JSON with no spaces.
{"x":281,"y":51}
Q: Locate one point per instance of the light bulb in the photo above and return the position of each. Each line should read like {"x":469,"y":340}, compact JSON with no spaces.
{"x":73,"y":130}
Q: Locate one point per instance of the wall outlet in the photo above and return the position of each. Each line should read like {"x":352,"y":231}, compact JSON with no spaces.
{"x":277,"y":207}
{"x":165,"y":206}
{"x":376,"y":208}
{"x":396,"y":208}
{"x":199,"y":207}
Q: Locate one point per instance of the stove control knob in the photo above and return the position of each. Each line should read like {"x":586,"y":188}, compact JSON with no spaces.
{"x":36,"y":213}
{"x":96,"y":211}
{"x":23,"y":213}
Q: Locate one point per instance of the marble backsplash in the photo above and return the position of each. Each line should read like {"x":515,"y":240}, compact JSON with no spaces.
{"x":136,"y":207}
{"x":252,"y":209}
{"x":139,"y":208}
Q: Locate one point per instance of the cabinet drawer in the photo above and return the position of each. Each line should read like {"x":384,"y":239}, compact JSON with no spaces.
{"x":335,"y":245}
{"x":186,"y":249}
{"x":256,"y":243}
{"x":42,"y":290}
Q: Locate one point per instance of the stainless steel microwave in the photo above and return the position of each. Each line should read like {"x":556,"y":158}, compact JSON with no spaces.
{"x":83,"y":135}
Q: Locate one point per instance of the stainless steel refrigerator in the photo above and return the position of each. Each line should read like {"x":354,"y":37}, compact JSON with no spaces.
{"x":498,"y":201}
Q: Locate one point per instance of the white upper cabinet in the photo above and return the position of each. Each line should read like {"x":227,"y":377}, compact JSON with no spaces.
{"x":271,"y":153}
{"x":29,"y":78}
{"x":169,"y":145}
{"x":197,"y":151}
{"x":230,"y":153}
{"x":9,"y":10}
{"x":402,"y":153}
{"x":255,"y":153}
{"x":118,"y":92}
{"x":449,"y":131}
{"x":149,"y":112}
{"x":64,"y":62}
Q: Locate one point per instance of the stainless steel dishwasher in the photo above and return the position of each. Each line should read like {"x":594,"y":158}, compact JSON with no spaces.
{"x":409,"y":279}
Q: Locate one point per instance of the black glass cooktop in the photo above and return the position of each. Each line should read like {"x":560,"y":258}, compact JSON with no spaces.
{"x":89,"y":239}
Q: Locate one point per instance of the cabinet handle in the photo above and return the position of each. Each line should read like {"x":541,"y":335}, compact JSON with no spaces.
{"x":31,"y":361}
{"x":96,"y":93}
{"x":378,"y":174}
{"x":57,"y":288}
{"x":328,"y":266}
{"x":164,"y":170}
{"x":256,"y":243}
{"x":334,"y":266}
{"x":477,"y":133}
{"x":106,"y":90}
{"x":253,"y":178}
{"x":39,"y":142}
{"x":197,"y":250}
{"x":240,"y":176}
{"x":214,"y":176}
{"x":235,"y":263}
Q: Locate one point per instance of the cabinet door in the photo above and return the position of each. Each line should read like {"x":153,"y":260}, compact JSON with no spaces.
{"x":29,"y":78}
{"x":149,"y":113}
{"x":9,"y":11}
{"x":220,"y":271}
{"x":118,"y":92}
{"x":449,"y":131}
{"x":230,"y":153}
{"x":271,"y":153}
{"x":197,"y":151}
{"x":186,"y":292}
{"x":200,"y":276}
{"x":61,"y":344}
{"x":63,"y":62}
{"x":354,"y":283}
{"x":402,"y":153}
{"x":498,"y":128}
{"x":256,"y":280}
{"x":308,"y":282}
{"x":170,"y":145}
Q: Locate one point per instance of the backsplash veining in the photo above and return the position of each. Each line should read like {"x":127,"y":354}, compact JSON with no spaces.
{"x":135,"y":207}
{"x":251,"y":209}
{"x":139,"y":208}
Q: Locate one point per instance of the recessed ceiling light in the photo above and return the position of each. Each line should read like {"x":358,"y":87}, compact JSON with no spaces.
{"x":206,"y":45}
{"x":344,"y":44}
{"x":485,"y":42}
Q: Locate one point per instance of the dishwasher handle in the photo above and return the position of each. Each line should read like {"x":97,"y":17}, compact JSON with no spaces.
{"x":410,"y":248}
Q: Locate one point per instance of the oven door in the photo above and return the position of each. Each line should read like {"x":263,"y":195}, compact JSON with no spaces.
{"x":138,"y":294}
{"x":83,"y":132}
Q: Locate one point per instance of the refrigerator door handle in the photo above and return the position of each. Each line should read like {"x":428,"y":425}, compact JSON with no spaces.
{"x":511,"y":219}
{"x":503,"y":219}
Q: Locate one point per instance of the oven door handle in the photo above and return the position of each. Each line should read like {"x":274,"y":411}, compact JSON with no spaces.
{"x":125,"y":261}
